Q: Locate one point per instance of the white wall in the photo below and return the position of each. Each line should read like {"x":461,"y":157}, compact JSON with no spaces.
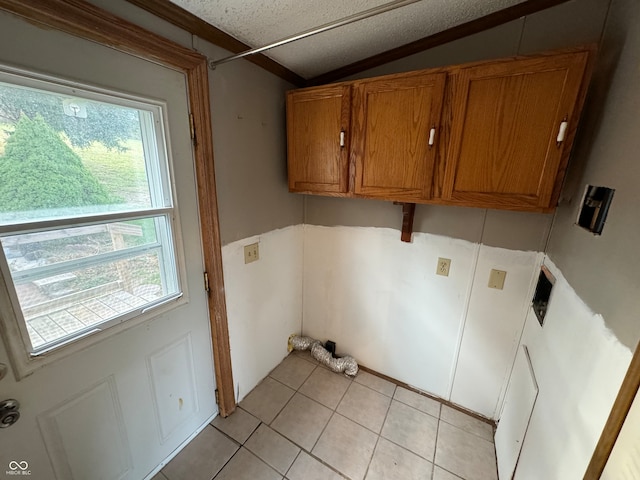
{"x":381,"y":301}
{"x":493,"y":326}
{"x":453,"y":337}
{"x":579,"y":364}
{"x":264,"y":303}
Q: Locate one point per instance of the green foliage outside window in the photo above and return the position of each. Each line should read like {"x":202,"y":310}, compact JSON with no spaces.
{"x":39,"y":171}
{"x":110,"y":125}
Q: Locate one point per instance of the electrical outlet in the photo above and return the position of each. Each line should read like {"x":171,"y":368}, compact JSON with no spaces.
{"x":496,"y":279}
{"x":251,"y":253}
{"x":443,"y":267}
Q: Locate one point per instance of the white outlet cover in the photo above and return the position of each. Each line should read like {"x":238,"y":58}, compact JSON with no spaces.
{"x":444,"y":264}
{"x":251,"y":253}
{"x":496,"y":279}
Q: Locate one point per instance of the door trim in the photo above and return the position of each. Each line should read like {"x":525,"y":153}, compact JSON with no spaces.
{"x":617,"y":416}
{"x":81,"y":19}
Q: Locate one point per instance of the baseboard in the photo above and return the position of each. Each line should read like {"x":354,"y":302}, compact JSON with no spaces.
{"x":428,"y":395}
{"x":173,"y":454}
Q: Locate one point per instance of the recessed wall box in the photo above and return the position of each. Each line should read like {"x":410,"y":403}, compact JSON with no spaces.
{"x":543,"y":293}
{"x":594,"y":208}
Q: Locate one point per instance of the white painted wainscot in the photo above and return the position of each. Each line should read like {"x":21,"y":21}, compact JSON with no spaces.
{"x":452,"y":337}
{"x":264,"y":303}
{"x":381,"y":301}
{"x":579,"y":365}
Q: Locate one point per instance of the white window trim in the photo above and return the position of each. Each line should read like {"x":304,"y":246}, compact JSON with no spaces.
{"x":12,"y":325}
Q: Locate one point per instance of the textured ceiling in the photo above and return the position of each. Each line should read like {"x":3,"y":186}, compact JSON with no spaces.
{"x":259,"y":22}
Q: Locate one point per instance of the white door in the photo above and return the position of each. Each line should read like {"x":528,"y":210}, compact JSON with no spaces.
{"x":116,"y":403}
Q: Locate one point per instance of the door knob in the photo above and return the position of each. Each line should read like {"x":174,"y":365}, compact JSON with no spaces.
{"x":9,"y":413}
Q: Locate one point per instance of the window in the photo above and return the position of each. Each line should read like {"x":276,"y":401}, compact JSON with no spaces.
{"x":86,"y":209}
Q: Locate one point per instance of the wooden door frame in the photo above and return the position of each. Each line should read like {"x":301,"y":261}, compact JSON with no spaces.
{"x":617,"y":416}
{"x":84,"y":20}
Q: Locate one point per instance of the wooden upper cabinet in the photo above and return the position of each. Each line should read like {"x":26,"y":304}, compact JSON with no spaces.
{"x":318,"y":139}
{"x":393,"y":120}
{"x":492,"y":134}
{"x":505,"y":121}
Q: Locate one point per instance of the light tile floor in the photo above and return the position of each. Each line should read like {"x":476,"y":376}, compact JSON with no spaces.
{"x":304,"y":422}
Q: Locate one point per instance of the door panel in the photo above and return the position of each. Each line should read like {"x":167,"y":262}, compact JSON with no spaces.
{"x":119,"y":407}
{"x":495,"y":136}
{"x":318,"y":139}
{"x":391,"y":135}
{"x":506,"y":118}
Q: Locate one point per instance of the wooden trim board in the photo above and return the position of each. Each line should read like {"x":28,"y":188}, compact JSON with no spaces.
{"x":616,"y":419}
{"x":178,"y":16}
{"x":472,"y":27}
{"x":424,"y":394}
{"x":84,"y":20}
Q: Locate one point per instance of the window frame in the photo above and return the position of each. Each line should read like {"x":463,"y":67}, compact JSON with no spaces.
{"x":12,"y":321}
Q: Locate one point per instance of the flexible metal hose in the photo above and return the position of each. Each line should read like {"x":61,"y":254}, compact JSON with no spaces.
{"x":346,"y":364}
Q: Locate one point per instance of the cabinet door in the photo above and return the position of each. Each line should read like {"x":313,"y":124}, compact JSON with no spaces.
{"x":392,"y":123}
{"x":318,"y":139}
{"x":507,"y":116}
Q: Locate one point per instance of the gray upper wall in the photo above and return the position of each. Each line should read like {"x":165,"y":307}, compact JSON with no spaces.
{"x":249,"y":142}
{"x":577,"y":22}
{"x":249,"y":134}
{"x":249,"y":138}
{"x":605,"y":270}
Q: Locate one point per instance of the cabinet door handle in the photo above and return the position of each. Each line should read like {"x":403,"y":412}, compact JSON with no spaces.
{"x":432,"y":136}
{"x":342,"y":138}
{"x":562,"y":132}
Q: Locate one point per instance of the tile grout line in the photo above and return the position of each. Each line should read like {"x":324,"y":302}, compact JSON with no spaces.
{"x":466,"y":431}
{"x":312,"y":455}
{"x":435,"y":447}
{"x":424,"y":394}
{"x":260,"y":422}
{"x":374,"y":390}
{"x":404,"y":447}
{"x":332,"y":415}
{"x":448,"y":471}
{"x":294,"y":460}
{"x":283,"y":406}
{"x":227,"y":462}
{"x":334,"y":411}
{"x":260,"y":459}
{"x":373,"y":454}
{"x":378,"y":435}
{"x":417,"y":409}
{"x":386,"y":415}
{"x":327,"y":424}
{"x":358,"y":423}
{"x":302,"y":448}
{"x":319,"y":460}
